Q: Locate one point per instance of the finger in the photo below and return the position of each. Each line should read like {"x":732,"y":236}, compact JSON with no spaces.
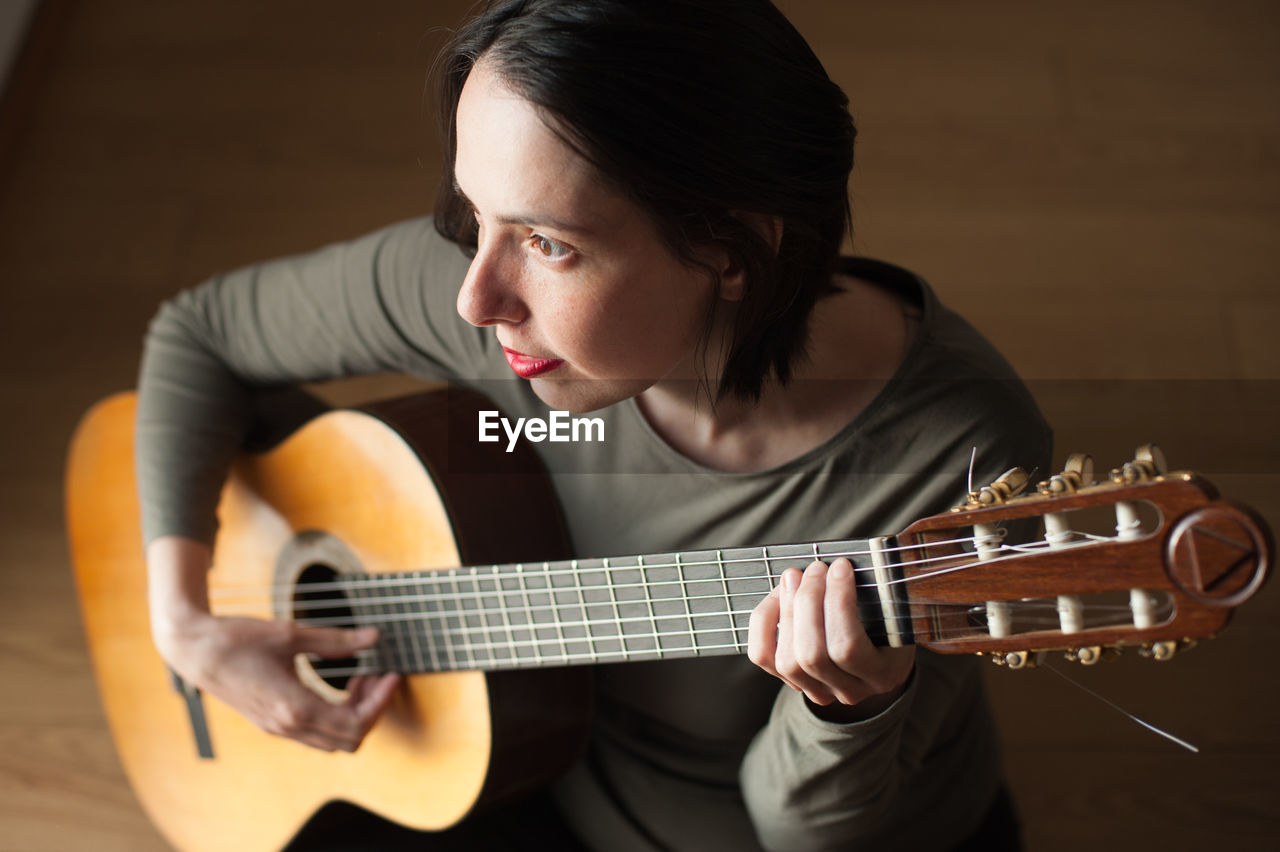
{"x":876,"y":670}
{"x":373,"y":700}
{"x":792,"y":632}
{"x":849,"y":648}
{"x":817,"y":675}
{"x":783,"y":659}
{"x":299,"y":714}
{"x":762,"y":635}
{"x":331,"y":641}
{"x":346,"y":724}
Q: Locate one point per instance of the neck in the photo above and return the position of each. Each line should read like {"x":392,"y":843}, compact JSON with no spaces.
{"x":859,"y":339}
{"x":532,"y":615}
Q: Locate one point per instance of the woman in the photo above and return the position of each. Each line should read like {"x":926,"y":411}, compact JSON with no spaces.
{"x":650,"y":198}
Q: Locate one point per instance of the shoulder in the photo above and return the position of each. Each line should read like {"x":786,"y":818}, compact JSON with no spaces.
{"x":954,"y":390}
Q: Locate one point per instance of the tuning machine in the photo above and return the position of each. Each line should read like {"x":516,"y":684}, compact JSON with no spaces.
{"x":1148,"y":463}
{"x":1167,"y":649}
{"x":1090,"y":655}
{"x":1077,"y":474}
{"x":1007,"y":486}
{"x":1017,"y":659}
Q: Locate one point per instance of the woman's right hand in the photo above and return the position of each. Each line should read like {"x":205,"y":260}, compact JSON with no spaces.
{"x":249,"y":663}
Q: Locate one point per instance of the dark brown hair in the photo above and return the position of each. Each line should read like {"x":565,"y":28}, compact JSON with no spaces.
{"x":698,"y":111}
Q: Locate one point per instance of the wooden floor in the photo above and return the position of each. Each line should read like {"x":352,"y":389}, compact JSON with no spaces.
{"x":1095,"y":184}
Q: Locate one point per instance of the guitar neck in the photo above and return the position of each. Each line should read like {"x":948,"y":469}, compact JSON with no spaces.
{"x":573,"y":612}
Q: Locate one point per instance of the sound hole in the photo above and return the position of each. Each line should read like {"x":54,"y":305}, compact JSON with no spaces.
{"x":319,"y":602}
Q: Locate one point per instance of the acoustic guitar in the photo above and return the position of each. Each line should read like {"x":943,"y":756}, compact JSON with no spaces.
{"x":366,"y":517}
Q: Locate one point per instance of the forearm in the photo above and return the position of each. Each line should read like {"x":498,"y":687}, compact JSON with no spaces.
{"x":810,"y":783}
{"x":177,"y":587}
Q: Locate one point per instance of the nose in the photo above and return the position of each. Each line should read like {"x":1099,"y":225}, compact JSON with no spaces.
{"x":490,"y":292}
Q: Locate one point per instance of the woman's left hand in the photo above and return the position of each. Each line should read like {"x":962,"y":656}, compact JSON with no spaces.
{"x":807,"y":634}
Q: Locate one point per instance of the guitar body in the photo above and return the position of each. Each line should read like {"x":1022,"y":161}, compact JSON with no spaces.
{"x":379,"y":491}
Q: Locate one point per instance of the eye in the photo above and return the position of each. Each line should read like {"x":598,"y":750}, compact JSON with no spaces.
{"x":549,"y":248}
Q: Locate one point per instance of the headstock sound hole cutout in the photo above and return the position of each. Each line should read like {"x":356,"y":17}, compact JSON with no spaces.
{"x":1102,"y":521}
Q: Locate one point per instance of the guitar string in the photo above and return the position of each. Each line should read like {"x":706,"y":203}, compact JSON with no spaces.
{"x":390,"y":660}
{"x":449,"y":634}
{"x":1150,"y":727}
{"x":462,"y":632}
{"x":481,"y":572}
{"x":476,"y":577}
{"x":554,"y":607}
{"x":431,"y":617}
{"x":371,"y":579}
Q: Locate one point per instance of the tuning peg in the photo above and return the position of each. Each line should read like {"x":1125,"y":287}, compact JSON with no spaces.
{"x":1092,"y":654}
{"x":1148,"y":463}
{"x":1009,"y":484}
{"x":1087,"y":656}
{"x":1159,"y":650}
{"x":1166,"y":650}
{"x":1077,"y":474}
{"x":1017,"y":659}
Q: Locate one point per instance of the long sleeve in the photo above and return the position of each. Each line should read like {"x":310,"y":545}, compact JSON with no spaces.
{"x":382,"y":303}
{"x":815,"y":785}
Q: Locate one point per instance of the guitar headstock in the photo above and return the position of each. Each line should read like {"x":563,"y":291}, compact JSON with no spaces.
{"x":1146,"y":558}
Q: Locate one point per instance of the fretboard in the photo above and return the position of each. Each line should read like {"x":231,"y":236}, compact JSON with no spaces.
{"x":587,"y":611}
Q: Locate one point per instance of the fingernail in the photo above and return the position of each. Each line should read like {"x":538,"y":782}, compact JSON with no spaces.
{"x":366,"y":634}
{"x":792,"y":580}
{"x":841,"y":570}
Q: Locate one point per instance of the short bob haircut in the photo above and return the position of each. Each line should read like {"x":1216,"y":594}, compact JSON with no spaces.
{"x":698,"y":111}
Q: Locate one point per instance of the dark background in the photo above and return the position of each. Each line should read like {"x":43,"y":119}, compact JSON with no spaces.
{"x":1093,"y":184}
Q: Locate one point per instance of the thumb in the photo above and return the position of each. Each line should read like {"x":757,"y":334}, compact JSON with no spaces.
{"x":332,"y":641}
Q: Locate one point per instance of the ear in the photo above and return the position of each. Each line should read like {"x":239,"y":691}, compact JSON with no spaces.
{"x":732,"y":276}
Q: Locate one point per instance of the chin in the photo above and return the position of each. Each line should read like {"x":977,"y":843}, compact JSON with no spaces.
{"x":580,"y":396}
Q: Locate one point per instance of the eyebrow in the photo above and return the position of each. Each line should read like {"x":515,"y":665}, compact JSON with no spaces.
{"x":529,"y":220}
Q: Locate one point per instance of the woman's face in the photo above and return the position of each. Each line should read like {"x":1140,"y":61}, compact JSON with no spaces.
{"x":584,"y":297}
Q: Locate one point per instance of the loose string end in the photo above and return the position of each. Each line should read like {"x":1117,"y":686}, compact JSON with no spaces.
{"x":1168,"y":736}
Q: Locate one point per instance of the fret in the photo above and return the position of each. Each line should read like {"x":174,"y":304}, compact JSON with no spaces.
{"x":386,"y":613}
{"x":648,"y":596}
{"x":728,"y":601}
{"x":482,"y":614}
{"x":427,"y":621}
{"x":688,"y":604}
{"x":534,"y":642}
{"x":465,"y":596}
{"x":361,"y":617}
{"x":512,"y":656}
{"x":632,"y":608}
{"x":582,"y":605}
{"x":555,"y":610}
{"x":617,"y":614}
{"x":405,"y":610}
{"x":447,"y":612}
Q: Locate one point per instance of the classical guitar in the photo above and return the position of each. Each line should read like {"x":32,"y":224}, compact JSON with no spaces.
{"x":365,"y":517}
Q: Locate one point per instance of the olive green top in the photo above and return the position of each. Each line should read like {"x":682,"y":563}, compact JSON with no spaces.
{"x":696,"y":754}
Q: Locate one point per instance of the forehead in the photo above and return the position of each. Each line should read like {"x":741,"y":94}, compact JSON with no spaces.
{"x":506,"y":153}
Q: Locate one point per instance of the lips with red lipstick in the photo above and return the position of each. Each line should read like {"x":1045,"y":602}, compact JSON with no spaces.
{"x":527,"y":366}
